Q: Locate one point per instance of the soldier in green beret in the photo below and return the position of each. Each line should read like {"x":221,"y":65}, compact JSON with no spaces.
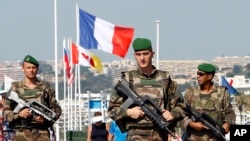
{"x":211,"y":99}
{"x":146,"y":80}
{"x":28,"y":125}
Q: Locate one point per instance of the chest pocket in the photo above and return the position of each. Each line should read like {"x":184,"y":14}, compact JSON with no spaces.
{"x":32,"y":95}
{"x":209,"y":104}
{"x":152,"y":88}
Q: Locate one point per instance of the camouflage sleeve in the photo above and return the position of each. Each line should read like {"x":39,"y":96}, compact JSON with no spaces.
{"x":8,"y":107}
{"x":114,"y":110}
{"x":54,"y":105}
{"x":188,"y":99}
{"x":228,"y":113}
{"x":116,"y":100}
{"x":177,"y":103}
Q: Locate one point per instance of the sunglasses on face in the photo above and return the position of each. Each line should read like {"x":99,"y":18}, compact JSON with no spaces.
{"x":201,"y":73}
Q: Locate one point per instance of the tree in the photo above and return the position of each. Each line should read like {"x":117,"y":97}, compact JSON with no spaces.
{"x":247,"y":67}
{"x":237,"y":69}
{"x":45,"y":68}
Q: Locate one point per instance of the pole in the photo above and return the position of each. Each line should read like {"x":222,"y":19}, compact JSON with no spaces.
{"x":157,"y":43}
{"x":56,"y":68}
{"x":64,"y":93}
{"x":78,"y":66}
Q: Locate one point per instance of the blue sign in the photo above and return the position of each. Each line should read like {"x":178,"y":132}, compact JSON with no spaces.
{"x":95,"y":104}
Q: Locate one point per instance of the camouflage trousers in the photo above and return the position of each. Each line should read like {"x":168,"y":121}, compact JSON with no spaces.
{"x":147,"y":135}
{"x":32,"y":135}
{"x":201,"y":136}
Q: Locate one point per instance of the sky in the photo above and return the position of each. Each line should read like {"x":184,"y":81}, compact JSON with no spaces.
{"x":188,"y":29}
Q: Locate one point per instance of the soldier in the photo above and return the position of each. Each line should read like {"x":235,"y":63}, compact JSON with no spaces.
{"x":30,"y":126}
{"x":210,"y":99}
{"x":146,"y":80}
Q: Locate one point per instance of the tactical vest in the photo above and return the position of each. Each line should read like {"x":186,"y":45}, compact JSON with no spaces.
{"x":38,"y":94}
{"x":160,"y":90}
{"x":213,"y":105}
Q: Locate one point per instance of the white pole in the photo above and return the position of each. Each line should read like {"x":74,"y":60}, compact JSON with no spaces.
{"x":79,"y":80}
{"x":71,"y":95}
{"x":64,"y":94}
{"x":157,"y":43}
{"x":75,"y":104}
{"x":56,"y":71}
{"x":79,"y":98}
{"x":69,"y":92}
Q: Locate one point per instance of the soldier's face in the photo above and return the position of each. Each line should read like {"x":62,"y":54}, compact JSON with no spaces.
{"x":29,"y":70}
{"x":144,"y":58}
{"x":202,"y":77}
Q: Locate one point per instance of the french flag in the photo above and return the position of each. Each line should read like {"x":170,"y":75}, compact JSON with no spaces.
{"x":96,"y":33}
{"x":229,"y":87}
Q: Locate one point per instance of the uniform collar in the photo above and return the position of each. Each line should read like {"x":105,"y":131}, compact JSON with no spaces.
{"x":152,"y":74}
{"x":25,"y":86}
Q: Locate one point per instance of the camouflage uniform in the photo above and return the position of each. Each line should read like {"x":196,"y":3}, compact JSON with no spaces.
{"x":28,"y":129}
{"x":153,"y":85}
{"x":216,"y":104}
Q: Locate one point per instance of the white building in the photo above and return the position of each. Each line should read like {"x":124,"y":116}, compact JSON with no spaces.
{"x":240,"y":83}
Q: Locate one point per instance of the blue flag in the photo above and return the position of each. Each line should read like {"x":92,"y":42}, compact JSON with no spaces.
{"x":230,"y":88}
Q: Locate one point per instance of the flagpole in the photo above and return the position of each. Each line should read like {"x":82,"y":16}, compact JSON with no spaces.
{"x":157,"y":43}
{"x":75,"y":104}
{"x":56,"y":68}
{"x":64,"y":92}
{"x":71,"y":95}
{"x":78,"y":66}
{"x":68,"y":96}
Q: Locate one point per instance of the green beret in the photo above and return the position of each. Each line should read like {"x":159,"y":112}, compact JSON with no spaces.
{"x":141,"y":44}
{"x":206,"y":67}
{"x":31,"y":60}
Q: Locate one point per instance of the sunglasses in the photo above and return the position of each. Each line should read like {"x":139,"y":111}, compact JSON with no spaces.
{"x":201,"y":73}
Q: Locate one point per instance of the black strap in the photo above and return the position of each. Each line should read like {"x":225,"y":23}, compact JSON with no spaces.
{"x":131,"y":80}
{"x":166,"y":95}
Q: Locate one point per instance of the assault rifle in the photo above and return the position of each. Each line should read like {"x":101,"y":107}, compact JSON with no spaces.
{"x":209,"y":122}
{"x":35,"y":107}
{"x":152,"y":110}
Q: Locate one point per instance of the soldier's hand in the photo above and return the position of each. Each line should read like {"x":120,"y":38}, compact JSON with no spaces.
{"x":197,"y":125}
{"x":135,"y":112}
{"x":39,"y":119}
{"x":167,"y":115}
{"x":226,"y":126}
{"x":25,"y":113}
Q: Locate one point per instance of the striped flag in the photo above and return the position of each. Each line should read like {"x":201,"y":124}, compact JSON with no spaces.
{"x":68,"y":67}
{"x":230,"y":88}
{"x":96,"y":33}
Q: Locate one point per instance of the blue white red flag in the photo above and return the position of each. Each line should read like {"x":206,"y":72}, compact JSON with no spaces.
{"x":230,"y":88}
{"x":96,"y":33}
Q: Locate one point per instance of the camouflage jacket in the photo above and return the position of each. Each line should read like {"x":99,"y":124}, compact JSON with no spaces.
{"x":155,"y":87}
{"x":42,"y":93}
{"x":216,"y":104}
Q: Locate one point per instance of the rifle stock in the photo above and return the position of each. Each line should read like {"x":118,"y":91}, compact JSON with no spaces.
{"x":209,"y":122}
{"x":152,"y":110}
